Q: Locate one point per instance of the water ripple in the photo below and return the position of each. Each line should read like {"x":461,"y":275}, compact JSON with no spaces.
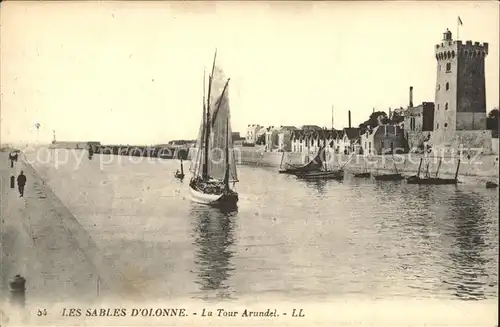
{"x":288,"y":238}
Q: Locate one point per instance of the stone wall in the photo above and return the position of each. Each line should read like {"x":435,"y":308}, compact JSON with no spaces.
{"x":471,"y":120}
{"x":463,"y":140}
{"x":494,"y":145}
{"x":483,"y":167}
{"x":68,"y":145}
{"x":416,"y":139}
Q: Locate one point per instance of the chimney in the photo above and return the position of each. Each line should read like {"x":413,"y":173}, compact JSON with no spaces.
{"x":349,"y":116}
{"x":411,"y":96}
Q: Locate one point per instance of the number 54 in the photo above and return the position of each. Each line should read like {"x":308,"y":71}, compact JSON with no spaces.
{"x":41,"y":312}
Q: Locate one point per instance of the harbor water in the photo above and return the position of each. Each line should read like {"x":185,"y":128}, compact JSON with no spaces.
{"x":309,"y":241}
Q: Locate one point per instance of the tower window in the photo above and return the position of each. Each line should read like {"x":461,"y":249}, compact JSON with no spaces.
{"x":439,"y":87}
{"x":448,"y":66}
{"x":445,"y":124}
{"x":438,"y":106}
{"x":437,"y":126}
{"x":446,"y":106}
{"x":447,"y":86}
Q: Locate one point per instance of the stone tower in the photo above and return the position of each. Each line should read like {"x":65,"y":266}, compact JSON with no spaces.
{"x":460,"y":101}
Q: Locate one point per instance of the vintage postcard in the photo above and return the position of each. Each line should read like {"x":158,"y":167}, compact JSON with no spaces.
{"x":237,"y":163}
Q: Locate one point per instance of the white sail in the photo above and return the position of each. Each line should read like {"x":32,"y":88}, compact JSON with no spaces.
{"x":196,"y":154}
{"x":220,"y":133}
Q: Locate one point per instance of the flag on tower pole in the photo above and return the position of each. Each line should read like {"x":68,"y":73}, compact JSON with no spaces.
{"x":459,"y":23}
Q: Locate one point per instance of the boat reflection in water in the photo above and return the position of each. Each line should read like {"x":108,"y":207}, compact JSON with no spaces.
{"x":213,"y":239}
{"x":318,"y":185}
{"x":468,"y":265}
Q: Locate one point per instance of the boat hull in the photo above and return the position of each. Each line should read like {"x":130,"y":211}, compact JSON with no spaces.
{"x":225,"y":199}
{"x":389,"y":177}
{"x":322,"y":175}
{"x":491,"y":185}
{"x":362,"y":175}
{"x":431,"y":181}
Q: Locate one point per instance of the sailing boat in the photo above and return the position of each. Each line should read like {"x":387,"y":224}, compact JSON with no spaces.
{"x":433,"y":180}
{"x":180,"y":174}
{"x":365,"y":173}
{"x":314,"y":165}
{"x":214,"y":166}
{"x":391,"y":177}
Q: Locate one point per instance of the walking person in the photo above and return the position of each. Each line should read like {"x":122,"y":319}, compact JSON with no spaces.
{"x":21,"y":181}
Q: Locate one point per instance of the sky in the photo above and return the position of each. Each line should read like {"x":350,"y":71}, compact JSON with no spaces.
{"x":132,"y":72}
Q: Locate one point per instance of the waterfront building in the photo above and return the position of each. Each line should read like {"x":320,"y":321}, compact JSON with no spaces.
{"x":418,"y":123}
{"x":271,"y":138}
{"x":460,"y":96}
{"x":310,"y":140}
{"x":252,"y":131}
{"x":237,"y":139}
{"x":382,"y":139}
{"x":350,"y":140}
{"x":285,"y":138}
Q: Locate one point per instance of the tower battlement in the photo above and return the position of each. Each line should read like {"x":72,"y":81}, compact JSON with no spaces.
{"x":476,"y":49}
{"x":460,"y":96}
{"x":449,"y":48}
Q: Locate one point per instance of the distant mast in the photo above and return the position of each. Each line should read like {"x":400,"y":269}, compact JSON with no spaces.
{"x":54,"y":137}
{"x":332,"y":119}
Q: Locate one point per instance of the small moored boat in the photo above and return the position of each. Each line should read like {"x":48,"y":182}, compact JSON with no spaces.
{"x":365,"y":173}
{"x":180,"y":174}
{"x":491,"y":185}
{"x":390,"y":177}
{"x":312,"y":166}
{"x":428,"y":180}
{"x":334,"y":174}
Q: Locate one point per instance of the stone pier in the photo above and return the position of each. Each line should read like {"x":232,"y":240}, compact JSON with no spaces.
{"x":43,"y":242}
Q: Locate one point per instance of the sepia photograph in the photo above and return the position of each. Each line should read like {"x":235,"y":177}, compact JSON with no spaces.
{"x":249,"y":163}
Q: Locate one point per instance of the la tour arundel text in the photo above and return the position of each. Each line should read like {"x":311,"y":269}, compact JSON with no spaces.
{"x":249,"y":313}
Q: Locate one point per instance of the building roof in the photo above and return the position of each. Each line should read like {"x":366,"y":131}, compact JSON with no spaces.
{"x":282,"y":127}
{"x":352,"y":132}
{"x":309,"y":127}
{"x":381,"y":129}
{"x":315,"y":134}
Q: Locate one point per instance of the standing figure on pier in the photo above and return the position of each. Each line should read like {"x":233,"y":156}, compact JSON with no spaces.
{"x":21,"y":181}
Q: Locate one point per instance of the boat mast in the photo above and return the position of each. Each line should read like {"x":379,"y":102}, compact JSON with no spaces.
{"x":394,"y":162}
{"x":226,"y":174}
{"x":207,"y":122}
{"x":332,"y":118}
{"x":439,"y":166}
{"x":420,"y":165}
{"x":199,"y":154}
{"x":458,"y":167}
